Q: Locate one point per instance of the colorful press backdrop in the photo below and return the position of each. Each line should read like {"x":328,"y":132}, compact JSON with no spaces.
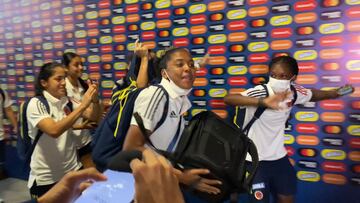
{"x":241,"y":36}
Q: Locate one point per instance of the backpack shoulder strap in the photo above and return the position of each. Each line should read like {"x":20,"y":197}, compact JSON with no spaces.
{"x":83,"y":84}
{"x":70,"y":105}
{"x":259,"y":111}
{"x":43,"y":100}
{"x":2,"y":93}
{"x":166,"y":107}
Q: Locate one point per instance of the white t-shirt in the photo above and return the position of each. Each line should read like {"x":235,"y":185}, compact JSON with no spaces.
{"x":268,"y":131}
{"x":4,"y":102}
{"x":83,"y":137}
{"x":150,"y":104}
{"x":52,"y":157}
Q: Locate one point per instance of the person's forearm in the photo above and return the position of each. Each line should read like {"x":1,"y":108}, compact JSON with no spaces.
{"x":142,"y":78}
{"x":318,"y":95}
{"x":56,"y":128}
{"x":95,"y":112}
{"x":239,"y":100}
{"x":11,"y":116}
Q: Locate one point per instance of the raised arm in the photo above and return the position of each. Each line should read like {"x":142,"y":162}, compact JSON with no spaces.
{"x":269,"y":102}
{"x":56,"y":128}
{"x":141,"y":51}
{"x":318,"y":95}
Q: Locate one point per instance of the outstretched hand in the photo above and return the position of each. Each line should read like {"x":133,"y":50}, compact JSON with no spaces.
{"x":71,"y":185}
{"x":205,"y":60}
{"x":345,"y":90}
{"x":91,"y":94}
{"x":273,"y":101}
{"x":140,"y":50}
{"x":193,"y":178}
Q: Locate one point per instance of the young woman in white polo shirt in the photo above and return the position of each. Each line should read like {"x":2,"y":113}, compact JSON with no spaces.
{"x":75,"y":89}
{"x":178,"y":75}
{"x":275,"y":176}
{"x":55,"y":153}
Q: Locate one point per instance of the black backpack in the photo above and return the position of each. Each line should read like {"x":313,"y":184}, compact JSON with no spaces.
{"x":207,"y":142}
{"x":211,"y":142}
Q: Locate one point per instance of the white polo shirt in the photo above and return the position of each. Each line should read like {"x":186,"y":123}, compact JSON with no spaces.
{"x":83,"y":137}
{"x":52,"y":157}
{"x":150,"y":104}
{"x":268,"y":131}
{"x":4,"y":102}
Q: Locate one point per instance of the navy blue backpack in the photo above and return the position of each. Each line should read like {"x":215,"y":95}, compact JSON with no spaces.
{"x":25,"y":146}
{"x":110,"y":135}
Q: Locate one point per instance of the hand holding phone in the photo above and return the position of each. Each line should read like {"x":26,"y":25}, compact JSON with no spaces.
{"x":345,"y":90}
{"x":119,"y":188}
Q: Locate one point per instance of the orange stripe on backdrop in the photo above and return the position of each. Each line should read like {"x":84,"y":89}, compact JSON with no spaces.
{"x":335,"y":179}
{"x":217,"y":60}
{"x":353,"y":26}
{"x":55,"y":4}
{"x":58,"y":45}
{"x":107,"y":58}
{"x":306,"y":79}
{"x":354,"y":38}
{"x":307,"y":140}
{"x":79,"y":8}
{"x":258,"y":69}
{"x":355,"y":105}
{"x":199,"y":29}
{"x":163,"y":23}
{"x":221,"y":113}
{"x":236,"y":90}
{"x":331,"y":53}
{"x":256,"y":2}
{"x":94,"y":76}
{"x":305,"y":17}
{"x":354,"y":155}
{"x":150,"y":44}
{"x":354,"y":78}
{"x":199,"y":82}
{"x":81,"y":51}
{"x":179,"y":2}
{"x":93,"y":32}
{"x":330,"y":66}
{"x":216,"y":6}
{"x":258,"y":11}
{"x":237,"y":37}
{"x":68,"y":27}
{"x":104,"y":13}
{"x":119,"y":38}
{"x":356,"y":93}
{"x":337,"y":117}
{"x":132,"y":18}
{"x":332,"y":104}
{"x":281,"y":44}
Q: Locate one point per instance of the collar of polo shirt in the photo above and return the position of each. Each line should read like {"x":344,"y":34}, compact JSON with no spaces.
{"x":57,"y":102}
